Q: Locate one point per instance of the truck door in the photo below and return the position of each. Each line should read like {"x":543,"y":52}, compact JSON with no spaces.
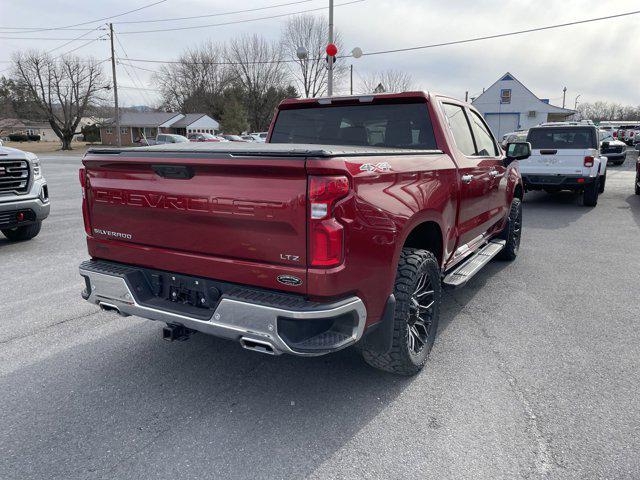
{"x":488,"y":150}
{"x":474,"y":181}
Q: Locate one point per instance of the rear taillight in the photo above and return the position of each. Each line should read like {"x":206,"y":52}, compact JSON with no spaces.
{"x":82,"y":177}
{"x":326,"y":234}
{"x":615,"y":134}
{"x":588,"y":161}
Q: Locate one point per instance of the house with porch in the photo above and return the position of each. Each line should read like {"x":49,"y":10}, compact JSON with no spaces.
{"x":10,"y":126}
{"x":135,"y":126}
{"x":508,"y":106}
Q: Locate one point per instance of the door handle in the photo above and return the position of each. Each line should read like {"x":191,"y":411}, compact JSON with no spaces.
{"x":467,"y":178}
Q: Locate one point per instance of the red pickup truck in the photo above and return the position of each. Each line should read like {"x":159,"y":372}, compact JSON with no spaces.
{"x":342,"y":229}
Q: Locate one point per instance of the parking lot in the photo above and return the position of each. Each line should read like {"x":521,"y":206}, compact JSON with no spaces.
{"x":535,"y":372}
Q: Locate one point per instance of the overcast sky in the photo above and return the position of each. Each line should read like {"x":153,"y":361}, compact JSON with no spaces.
{"x":599,"y":61}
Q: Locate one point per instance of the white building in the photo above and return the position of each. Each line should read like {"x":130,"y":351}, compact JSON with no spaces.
{"x":509,"y":106}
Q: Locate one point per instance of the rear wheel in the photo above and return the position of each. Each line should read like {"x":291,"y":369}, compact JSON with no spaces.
{"x":603,"y":180}
{"x":591,"y":192}
{"x":19,"y":234}
{"x":418,"y":295}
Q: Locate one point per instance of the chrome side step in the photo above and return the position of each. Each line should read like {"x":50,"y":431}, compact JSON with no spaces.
{"x":464,"y":272}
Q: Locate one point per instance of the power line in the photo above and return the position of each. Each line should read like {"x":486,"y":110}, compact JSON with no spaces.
{"x":214,"y":14}
{"x":382,"y":52}
{"x":500,"y":35}
{"x":237,"y":21}
{"x":67,"y":27}
{"x":42,"y":38}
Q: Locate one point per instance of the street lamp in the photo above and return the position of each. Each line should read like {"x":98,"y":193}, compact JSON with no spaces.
{"x":302,"y":53}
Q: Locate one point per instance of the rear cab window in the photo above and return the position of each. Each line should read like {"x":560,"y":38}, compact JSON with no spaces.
{"x":380,"y":124}
{"x":562,"y":138}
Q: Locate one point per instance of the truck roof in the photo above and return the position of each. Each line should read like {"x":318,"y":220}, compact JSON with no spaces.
{"x":288,"y":102}
{"x":260,"y":149}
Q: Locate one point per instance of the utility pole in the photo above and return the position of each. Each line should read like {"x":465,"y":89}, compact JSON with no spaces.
{"x":564,"y":96}
{"x":575,"y":106}
{"x":351,"y":79}
{"x":115,"y":87}
{"x":466,"y":96}
{"x":330,"y":72}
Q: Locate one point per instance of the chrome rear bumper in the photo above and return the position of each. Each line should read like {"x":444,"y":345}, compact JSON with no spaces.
{"x":234,"y":318}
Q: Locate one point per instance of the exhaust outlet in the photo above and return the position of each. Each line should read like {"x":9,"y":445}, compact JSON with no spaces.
{"x":258,"y":346}
{"x":107,"y":307}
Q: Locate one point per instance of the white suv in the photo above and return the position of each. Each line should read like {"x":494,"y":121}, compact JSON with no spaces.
{"x":565,"y":157}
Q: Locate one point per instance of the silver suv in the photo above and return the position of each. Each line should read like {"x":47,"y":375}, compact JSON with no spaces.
{"x":24,"y":196}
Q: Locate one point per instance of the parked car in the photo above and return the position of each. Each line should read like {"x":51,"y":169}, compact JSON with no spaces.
{"x":614,"y":150}
{"x":628,"y":133}
{"x":248,"y":138}
{"x":24,"y":195}
{"x":233,"y":138}
{"x":342,"y":230}
{"x":203,"y":137}
{"x":163,"y":138}
{"x":638,"y":170}
{"x":260,"y":136}
{"x":565,"y":157}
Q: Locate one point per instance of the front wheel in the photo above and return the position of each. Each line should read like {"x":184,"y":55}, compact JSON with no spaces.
{"x":418,"y":294}
{"x":19,"y":234}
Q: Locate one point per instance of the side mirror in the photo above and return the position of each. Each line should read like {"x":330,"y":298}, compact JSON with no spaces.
{"x":605,"y":144}
{"x":517,"y":151}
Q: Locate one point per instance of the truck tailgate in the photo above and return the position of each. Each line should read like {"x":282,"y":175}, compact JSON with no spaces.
{"x":233,"y":208}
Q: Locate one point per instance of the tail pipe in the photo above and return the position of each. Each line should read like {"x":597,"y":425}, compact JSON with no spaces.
{"x":258,"y":346}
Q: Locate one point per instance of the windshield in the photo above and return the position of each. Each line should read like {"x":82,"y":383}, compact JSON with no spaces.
{"x":178,"y":139}
{"x":562,"y":138}
{"x":606,"y":136}
{"x":377,"y":125}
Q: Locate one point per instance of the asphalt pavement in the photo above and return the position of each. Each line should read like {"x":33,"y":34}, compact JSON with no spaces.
{"x":535,"y":373}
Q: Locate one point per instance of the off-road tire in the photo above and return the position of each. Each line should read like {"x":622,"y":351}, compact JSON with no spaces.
{"x":637,"y":184}
{"x":603,"y":180}
{"x":20,"y":234}
{"x":512,"y":232}
{"x":400,"y":359}
{"x":590,"y":194}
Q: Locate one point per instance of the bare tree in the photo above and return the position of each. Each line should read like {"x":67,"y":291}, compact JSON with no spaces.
{"x":196,"y":82}
{"x":390,"y":81}
{"x":311,"y":33}
{"x":258,"y":69}
{"x":601,"y":110}
{"x":63,"y":89}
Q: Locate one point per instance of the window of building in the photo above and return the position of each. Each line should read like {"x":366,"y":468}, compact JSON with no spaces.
{"x":124,"y":130}
{"x":505,"y":95}
{"x":109,"y":131}
{"x":486,"y":146}
{"x":460,"y":129}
